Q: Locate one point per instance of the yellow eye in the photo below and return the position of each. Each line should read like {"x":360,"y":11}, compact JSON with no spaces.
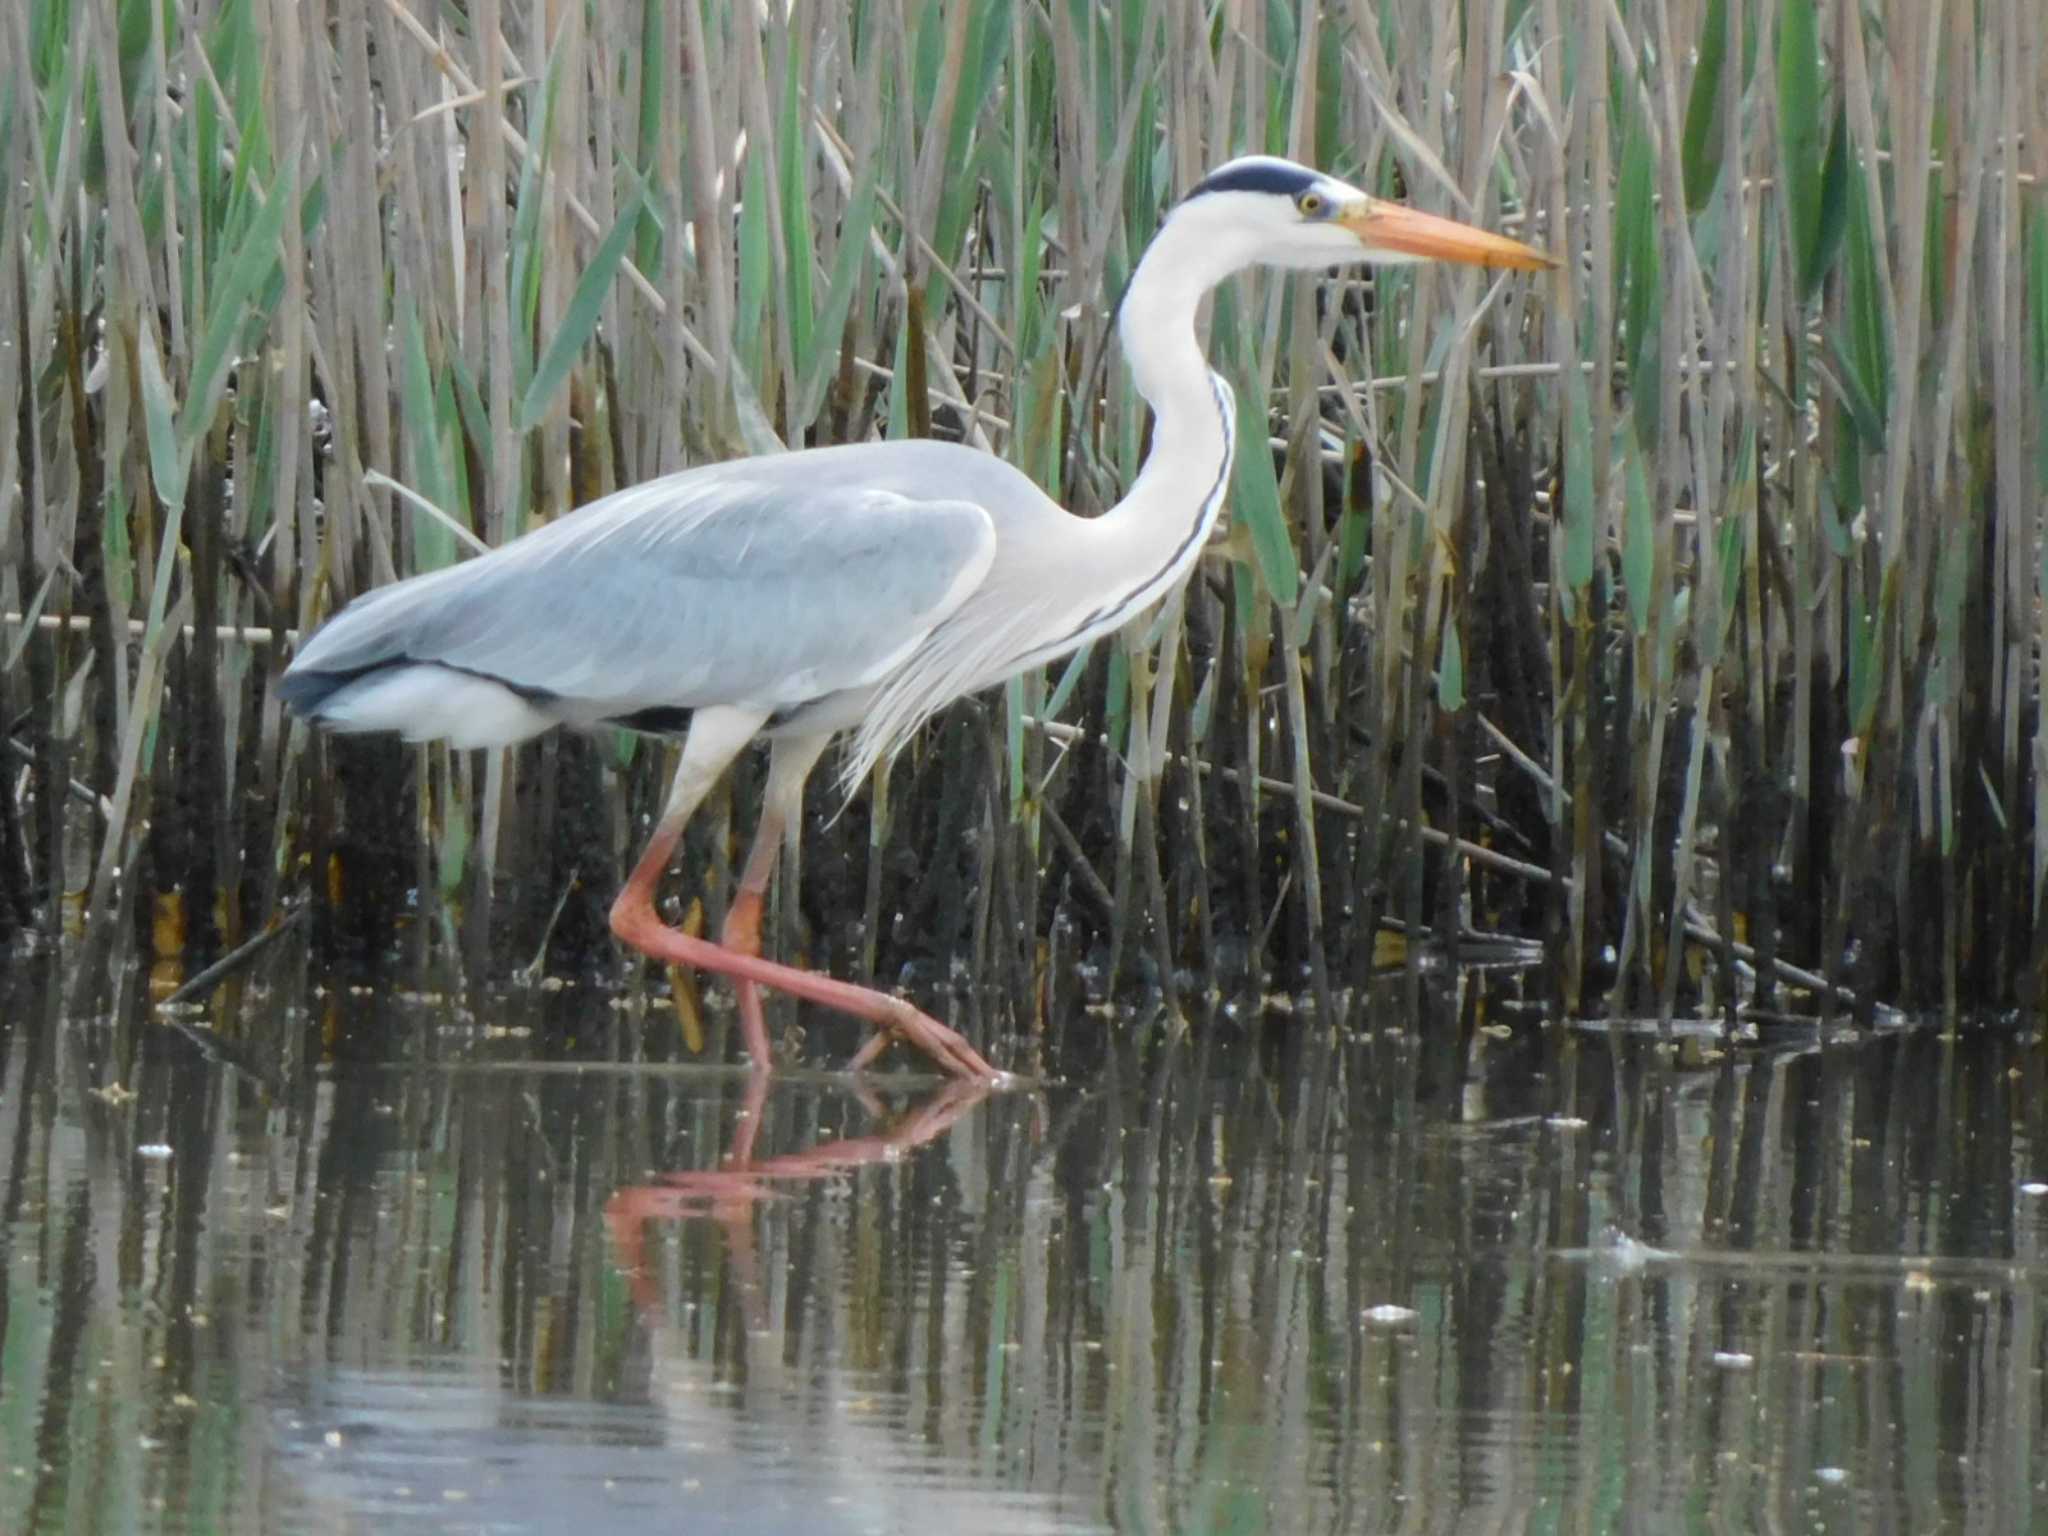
{"x":1311,"y":204}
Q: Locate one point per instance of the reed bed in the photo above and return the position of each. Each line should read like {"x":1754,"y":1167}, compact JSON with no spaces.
{"x":1682,"y":610}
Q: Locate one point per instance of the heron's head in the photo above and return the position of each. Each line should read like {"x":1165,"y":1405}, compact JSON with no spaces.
{"x":1286,"y":215}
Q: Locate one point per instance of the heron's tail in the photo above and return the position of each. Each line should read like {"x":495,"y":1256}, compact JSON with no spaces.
{"x":420,"y":700}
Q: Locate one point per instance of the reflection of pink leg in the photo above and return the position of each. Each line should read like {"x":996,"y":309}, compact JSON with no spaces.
{"x":742,"y":935}
{"x":728,"y":1194}
{"x":748,"y":1130}
{"x":716,"y":737}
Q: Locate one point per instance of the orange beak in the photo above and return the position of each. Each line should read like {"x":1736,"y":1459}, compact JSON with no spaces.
{"x":1392,"y":229}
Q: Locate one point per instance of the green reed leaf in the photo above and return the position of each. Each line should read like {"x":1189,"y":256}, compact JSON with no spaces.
{"x":1834,"y":209}
{"x":1700,"y":156}
{"x":1450,"y":668}
{"x":799,"y":236}
{"x":433,"y":546}
{"x":1257,"y":503}
{"x":255,"y":256}
{"x":168,"y":463}
{"x":849,"y":260}
{"x":1801,"y":95}
{"x":1638,"y":536}
{"x":579,"y":320}
{"x":1579,"y":511}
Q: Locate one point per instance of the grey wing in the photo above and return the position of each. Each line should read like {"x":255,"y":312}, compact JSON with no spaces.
{"x":710,"y":587}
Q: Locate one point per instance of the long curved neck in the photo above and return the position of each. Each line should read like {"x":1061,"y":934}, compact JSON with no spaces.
{"x":1160,"y":526}
{"x":1157,"y":325}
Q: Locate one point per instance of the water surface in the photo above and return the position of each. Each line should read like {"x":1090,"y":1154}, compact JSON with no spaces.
{"x":406,"y":1273}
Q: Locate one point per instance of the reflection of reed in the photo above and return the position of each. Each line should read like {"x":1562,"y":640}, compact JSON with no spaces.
{"x":1156,"y":1313}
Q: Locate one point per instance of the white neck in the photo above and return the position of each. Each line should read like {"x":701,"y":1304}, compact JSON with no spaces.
{"x":1070,"y":580}
{"x":1156,"y":532}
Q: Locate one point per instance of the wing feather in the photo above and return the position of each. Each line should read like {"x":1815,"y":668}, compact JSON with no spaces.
{"x":980,"y":645}
{"x":749,"y":584}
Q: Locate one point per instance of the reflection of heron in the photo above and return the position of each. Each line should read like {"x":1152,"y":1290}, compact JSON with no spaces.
{"x":802,"y":1419}
{"x":852,"y":588}
{"x":728,"y":1194}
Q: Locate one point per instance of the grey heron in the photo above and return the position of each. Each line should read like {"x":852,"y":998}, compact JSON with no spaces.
{"x":854,"y":588}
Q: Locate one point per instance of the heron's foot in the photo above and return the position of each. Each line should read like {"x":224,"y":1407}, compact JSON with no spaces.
{"x":741,"y":934}
{"x":946,"y":1046}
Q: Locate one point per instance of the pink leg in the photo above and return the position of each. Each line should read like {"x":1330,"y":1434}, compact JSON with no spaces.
{"x":634,"y":921}
{"x":742,"y":935}
{"x":788,"y":766}
{"x":716,"y":737}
